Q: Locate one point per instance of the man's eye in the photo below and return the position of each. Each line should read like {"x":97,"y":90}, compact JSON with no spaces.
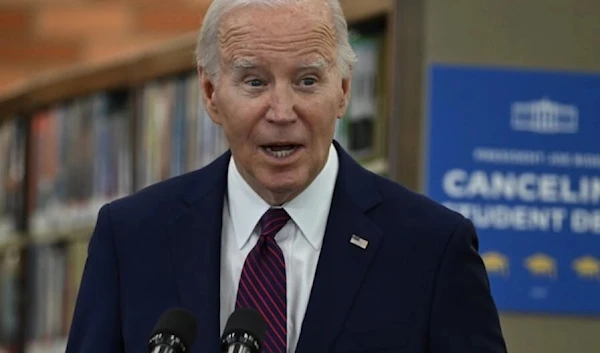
{"x":309,"y":81}
{"x":255,"y":82}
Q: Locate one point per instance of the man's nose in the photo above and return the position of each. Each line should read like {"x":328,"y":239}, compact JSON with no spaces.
{"x":282,"y":106}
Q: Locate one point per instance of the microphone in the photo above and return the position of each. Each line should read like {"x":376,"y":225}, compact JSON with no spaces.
{"x":175,"y":332}
{"x":244,"y":332}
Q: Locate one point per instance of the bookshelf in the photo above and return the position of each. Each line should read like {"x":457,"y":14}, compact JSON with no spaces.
{"x":74,"y":139}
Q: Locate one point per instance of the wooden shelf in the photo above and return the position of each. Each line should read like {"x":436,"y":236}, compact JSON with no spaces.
{"x":14,"y":240}
{"x":170,"y":57}
{"x":24,"y":240}
{"x":377,"y":165}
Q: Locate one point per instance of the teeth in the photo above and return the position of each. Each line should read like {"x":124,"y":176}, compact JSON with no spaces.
{"x":280,"y":153}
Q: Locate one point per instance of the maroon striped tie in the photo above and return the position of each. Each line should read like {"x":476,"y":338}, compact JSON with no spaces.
{"x":263,"y":285}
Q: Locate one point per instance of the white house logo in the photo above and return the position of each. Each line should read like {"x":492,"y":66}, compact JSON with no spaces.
{"x":544,"y":117}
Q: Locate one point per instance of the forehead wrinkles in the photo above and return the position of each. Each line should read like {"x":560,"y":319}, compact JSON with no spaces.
{"x":318,"y":39}
{"x":246,"y":35}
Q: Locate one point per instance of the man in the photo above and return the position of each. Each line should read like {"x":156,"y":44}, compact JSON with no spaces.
{"x":336,"y":258}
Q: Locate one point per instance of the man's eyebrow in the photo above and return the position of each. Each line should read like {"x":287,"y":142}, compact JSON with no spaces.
{"x":315,"y":64}
{"x":247,"y":63}
{"x":243,"y":63}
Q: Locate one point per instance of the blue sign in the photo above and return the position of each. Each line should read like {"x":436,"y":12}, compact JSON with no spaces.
{"x":518,"y":153}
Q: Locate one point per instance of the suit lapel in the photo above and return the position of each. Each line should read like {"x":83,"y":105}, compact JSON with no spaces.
{"x":195,"y":239}
{"x":342,"y":264}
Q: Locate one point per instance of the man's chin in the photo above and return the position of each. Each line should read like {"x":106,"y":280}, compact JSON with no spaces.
{"x":284,"y":188}
{"x":280,"y":192}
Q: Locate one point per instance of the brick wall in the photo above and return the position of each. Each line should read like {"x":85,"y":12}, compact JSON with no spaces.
{"x":40,"y":35}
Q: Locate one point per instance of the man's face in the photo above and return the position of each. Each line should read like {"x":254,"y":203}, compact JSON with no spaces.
{"x":278,"y":95}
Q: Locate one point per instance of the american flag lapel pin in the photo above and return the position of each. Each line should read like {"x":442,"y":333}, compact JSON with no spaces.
{"x":358,"y":241}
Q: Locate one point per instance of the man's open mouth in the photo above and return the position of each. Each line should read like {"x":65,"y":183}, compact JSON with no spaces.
{"x":280,"y":151}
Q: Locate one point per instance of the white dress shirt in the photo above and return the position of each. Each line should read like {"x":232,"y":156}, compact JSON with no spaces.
{"x":300,"y":239}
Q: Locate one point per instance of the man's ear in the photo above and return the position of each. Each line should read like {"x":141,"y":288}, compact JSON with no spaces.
{"x":207,"y":88}
{"x":345,"y":97}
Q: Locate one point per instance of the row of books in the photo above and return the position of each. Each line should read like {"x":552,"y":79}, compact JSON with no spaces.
{"x":12,"y":174}
{"x":357,"y":130}
{"x":10,"y":268}
{"x":52,"y":281}
{"x":174,"y":133}
{"x":51,"y":284}
{"x":48,"y":296}
{"x":80,"y":158}
{"x":53,"y":278}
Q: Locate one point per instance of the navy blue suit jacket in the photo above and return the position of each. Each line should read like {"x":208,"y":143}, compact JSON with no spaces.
{"x":419,"y":286}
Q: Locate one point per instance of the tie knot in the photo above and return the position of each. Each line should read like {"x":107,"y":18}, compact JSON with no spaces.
{"x":272,"y":221}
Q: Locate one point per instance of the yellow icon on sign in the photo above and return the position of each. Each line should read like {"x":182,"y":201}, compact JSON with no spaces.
{"x":541,"y":265}
{"x":587,"y":267}
{"x":496,"y":263}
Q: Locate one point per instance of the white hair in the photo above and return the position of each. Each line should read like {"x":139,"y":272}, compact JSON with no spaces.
{"x":207,"y":51}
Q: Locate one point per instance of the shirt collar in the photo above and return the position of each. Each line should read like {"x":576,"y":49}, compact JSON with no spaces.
{"x":309,"y":210}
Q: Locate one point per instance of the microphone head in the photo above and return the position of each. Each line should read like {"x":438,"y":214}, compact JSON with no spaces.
{"x":176,"y":327}
{"x":246,"y":326}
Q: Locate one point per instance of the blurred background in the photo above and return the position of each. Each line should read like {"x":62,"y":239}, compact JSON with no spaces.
{"x":490,"y":107}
